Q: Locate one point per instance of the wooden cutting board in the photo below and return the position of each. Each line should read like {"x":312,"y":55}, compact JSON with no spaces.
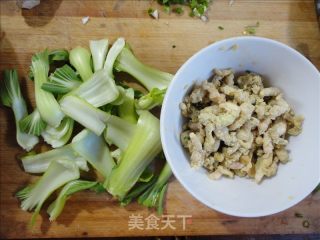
{"x":165,"y":43}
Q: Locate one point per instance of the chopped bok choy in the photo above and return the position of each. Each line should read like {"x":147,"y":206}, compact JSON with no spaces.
{"x":119,"y":132}
{"x":39,"y":163}
{"x":154,"y":195}
{"x":143,"y":147}
{"x":99,"y":49}
{"x":33,"y":123}
{"x":127,"y":109}
{"x":80,"y":59}
{"x":147,"y":76}
{"x":11,"y":96}
{"x":93,"y":148}
{"x":114,"y":51}
{"x":55,"y":208}
{"x":63,"y":80}
{"x":60,"y":135}
{"x":153,"y":99}
{"x":58,"y":173}
{"x":98,"y":90}
{"x":47,"y":105}
{"x":84,"y":113}
{"x":81,"y":86}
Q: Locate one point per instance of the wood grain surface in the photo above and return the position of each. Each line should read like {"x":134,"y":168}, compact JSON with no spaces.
{"x":57,"y":24}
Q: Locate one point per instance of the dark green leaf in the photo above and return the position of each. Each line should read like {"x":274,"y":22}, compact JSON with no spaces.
{"x":98,"y":188}
{"x":58,"y":55}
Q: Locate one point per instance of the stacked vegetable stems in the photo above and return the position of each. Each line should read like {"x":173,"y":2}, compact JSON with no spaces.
{"x":119,"y":136}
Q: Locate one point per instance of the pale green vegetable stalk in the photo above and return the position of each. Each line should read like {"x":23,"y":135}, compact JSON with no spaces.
{"x":120,"y":99}
{"x":84,"y":113}
{"x":153,"y":99}
{"x":55,"y":208}
{"x":11,"y":96}
{"x":32,"y":123}
{"x":60,"y":135}
{"x":127,"y":108}
{"x":39,"y":163}
{"x":47,"y":105}
{"x":147,"y":76}
{"x":119,"y":132}
{"x":59,"y":173}
{"x":99,"y":90}
{"x":93,"y":148}
{"x":114,"y":51}
{"x":154,"y":195}
{"x":62,"y":80}
{"x":143,"y":147}
{"x":80,"y":59}
{"x":99,"y":49}
{"x":85,"y":146}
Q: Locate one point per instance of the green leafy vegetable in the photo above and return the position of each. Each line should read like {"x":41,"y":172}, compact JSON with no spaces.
{"x":127,"y":108}
{"x":55,"y":208}
{"x":47,"y":105}
{"x":147,"y":175}
{"x":63,"y":80}
{"x":84,"y":90}
{"x":33,"y":123}
{"x":11,"y":96}
{"x":60,"y":135}
{"x":115,"y":50}
{"x":119,"y":132}
{"x":110,"y":108}
{"x":149,"y":77}
{"x":39,"y":163}
{"x":98,"y":188}
{"x":80,"y":59}
{"x":93,"y":148}
{"x":153,"y":197}
{"x":59,"y":173}
{"x":84,"y":113}
{"x":153,"y":99}
{"x":136,"y":191}
{"x":58,"y":55}
{"x":144,"y":146}
{"x":99,"y":90}
{"x":99,"y":49}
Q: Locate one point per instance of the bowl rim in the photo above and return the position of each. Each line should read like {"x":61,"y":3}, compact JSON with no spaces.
{"x":162,"y":127}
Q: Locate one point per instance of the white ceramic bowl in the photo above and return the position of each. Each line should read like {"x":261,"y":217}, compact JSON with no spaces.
{"x":283,"y":67}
